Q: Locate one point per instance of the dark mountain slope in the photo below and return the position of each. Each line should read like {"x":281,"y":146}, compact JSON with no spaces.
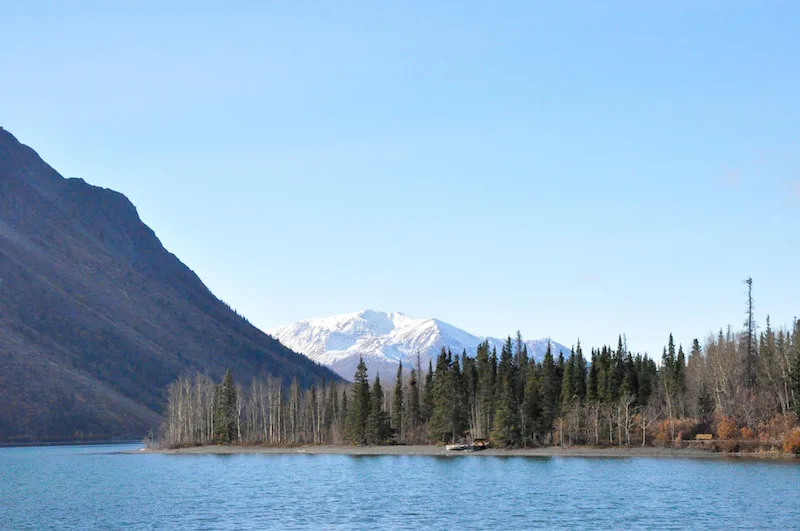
{"x":96,"y":317}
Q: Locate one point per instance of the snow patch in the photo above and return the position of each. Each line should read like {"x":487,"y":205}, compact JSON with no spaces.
{"x":386,"y":338}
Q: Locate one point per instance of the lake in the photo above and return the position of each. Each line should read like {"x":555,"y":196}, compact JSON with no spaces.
{"x":95,"y":487}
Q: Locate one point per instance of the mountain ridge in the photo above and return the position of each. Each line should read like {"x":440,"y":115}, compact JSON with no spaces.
{"x":385,"y":339}
{"x":97,"y":317}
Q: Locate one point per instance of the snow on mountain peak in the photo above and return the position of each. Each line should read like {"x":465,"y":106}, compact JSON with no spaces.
{"x":383,"y":339}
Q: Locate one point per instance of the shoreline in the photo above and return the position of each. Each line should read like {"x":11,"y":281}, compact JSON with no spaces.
{"x":439,"y":451}
{"x":44,"y":444}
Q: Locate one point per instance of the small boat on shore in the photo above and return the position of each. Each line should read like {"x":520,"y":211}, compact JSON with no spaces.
{"x":477,"y":445}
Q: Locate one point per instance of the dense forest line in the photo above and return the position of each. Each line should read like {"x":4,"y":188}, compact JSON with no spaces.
{"x":742,"y":389}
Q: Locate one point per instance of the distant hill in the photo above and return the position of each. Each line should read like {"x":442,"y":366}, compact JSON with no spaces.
{"x":384,"y":340}
{"x":96,"y":317}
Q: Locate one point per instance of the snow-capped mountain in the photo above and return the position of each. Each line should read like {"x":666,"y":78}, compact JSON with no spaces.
{"x":384,"y":340}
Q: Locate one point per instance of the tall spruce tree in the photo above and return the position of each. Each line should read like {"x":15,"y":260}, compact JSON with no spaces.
{"x":520,"y":352}
{"x":506,"y":427}
{"x":680,"y":378}
{"x":532,"y":407}
{"x":669,"y":382}
{"x":331,"y":409}
{"x":630,"y":380}
{"x":749,"y":339}
{"x":414,"y":417}
{"x":225,"y":411}
{"x":440,"y":425}
{"x":398,"y":407}
{"x":795,"y":374}
{"x":459,"y":414}
{"x":591,"y":380}
{"x":344,"y":412}
{"x":550,"y":388}
{"x":506,"y":431}
{"x":520,"y":364}
{"x":377,"y":428}
{"x":427,"y":394}
{"x":359,"y":412}
{"x":646,"y":378}
{"x":568,"y":392}
{"x":469,"y":376}
{"x":579,"y":373}
{"x":485,"y":394}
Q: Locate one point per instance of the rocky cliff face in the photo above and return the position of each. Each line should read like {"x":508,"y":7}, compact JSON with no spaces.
{"x":96,"y":317}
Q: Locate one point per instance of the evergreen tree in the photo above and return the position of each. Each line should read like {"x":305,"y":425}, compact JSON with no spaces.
{"x":493,"y":363}
{"x":550,"y":390}
{"x":397,"y":405}
{"x":618,"y":369}
{"x":440,"y":425}
{"x":343,"y":411}
{"x":469,"y":376}
{"x":568,"y":382}
{"x":377,"y":428}
{"x":505,"y":367}
{"x":591,"y":380}
{"x":680,"y":377}
{"x":520,"y":351}
{"x":331,"y":408}
{"x":532,"y":407}
{"x":795,"y":375}
{"x":520,"y":364}
{"x":646,"y":377}
{"x":459,"y":400}
{"x":505,"y":431}
{"x":427,"y":395}
{"x":696,"y":349}
{"x":356,"y":430}
{"x":485,"y":399}
{"x":630,"y":380}
{"x":579,"y":373}
{"x":413,"y":404}
{"x":668,"y":376}
{"x":225,"y":411}
{"x":607,"y":387}
{"x":310,"y":411}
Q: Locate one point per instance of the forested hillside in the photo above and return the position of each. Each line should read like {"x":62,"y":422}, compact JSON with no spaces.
{"x":96,"y":317}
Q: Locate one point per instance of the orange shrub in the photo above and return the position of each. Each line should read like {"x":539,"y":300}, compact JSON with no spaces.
{"x":747,"y":433}
{"x":773,"y":431}
{"x":726,"y":428}
{"x":685,"y":429}
{"x":663,"y":432}
{"x":791,"y":441}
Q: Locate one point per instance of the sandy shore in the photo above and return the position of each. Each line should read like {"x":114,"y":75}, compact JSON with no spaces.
{"x":440,"y":451}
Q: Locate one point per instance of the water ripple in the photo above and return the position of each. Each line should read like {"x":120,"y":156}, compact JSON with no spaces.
{"x":73,"y":487}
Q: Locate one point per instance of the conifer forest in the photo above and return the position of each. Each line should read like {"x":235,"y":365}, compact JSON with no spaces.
{"x":742,"y":390}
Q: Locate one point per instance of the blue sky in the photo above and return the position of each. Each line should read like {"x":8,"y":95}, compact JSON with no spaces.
{"x":581,"y":171}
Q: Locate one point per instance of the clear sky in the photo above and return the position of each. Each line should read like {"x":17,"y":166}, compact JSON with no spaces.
{"x":584,"y":170}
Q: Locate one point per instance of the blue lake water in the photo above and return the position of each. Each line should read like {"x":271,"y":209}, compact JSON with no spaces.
{"x":96,"y":488}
